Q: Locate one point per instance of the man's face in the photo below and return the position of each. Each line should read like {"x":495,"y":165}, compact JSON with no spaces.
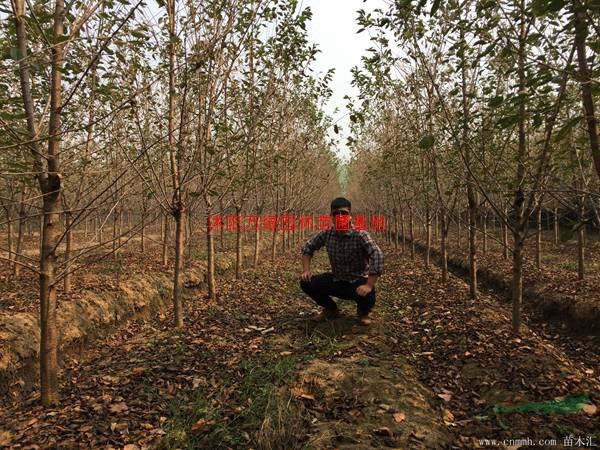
{"x":345,"y":212}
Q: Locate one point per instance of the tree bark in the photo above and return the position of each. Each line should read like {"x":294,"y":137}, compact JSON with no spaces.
{"x":581,"y":239}
{"x":210,"y":258}
{"x":238,"y":247}
{"x":179,"y":249}
{"x":581,"y":32}
{"x":538,"y":240}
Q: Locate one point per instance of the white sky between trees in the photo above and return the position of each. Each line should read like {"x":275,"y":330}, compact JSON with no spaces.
{"x":333,"y":28}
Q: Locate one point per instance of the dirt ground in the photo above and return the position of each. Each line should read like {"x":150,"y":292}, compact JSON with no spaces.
{"x":256,"y":370}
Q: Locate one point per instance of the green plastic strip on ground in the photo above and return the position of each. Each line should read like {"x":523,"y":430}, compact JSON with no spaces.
{"x":567,"y":405}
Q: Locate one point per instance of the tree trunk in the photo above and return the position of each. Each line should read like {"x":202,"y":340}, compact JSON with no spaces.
{"x":179,"y":248}
{"x":427,"y":237}
{"x":210,"y":258}
{"x":458,"y":231}
{"x":538,"y":240}
{"x":556,"y":227}
{"x":402,"y":230}
{"x":517,"y":282}
{"x":396,"y":231}
{"x":257,"y":242}
{"x":9,"y":231}
{"x":444,"y":248}
{"x":519,"y":199}
{"x":472,"y":243}
{"x":485,"y":232}
{"x":581,"y":240}
{"x":165,"y":240}
{"x":143,"y":230}
{"x":505,"y":236}
{"x":238,"y":247}
{"x":581,"y":31}
{"x":411,"y":230}
{"x":68,"y":238}
{"x":20,"y":232}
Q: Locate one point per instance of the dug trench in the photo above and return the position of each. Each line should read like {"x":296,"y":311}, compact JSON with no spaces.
{"x":566,"y":312}
{"x":571,"y":324}
{"x":256,"y":370}
{"x":100,"y":309}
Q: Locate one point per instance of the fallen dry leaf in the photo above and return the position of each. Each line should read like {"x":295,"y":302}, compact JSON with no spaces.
{"x":399,"y":417}
{"x":201,"y":424}
{"x":138,"y":371}
{"x":118,"y":407}
{"x":590,"y":410}
{"x":383,"y":431}
{"x":5,"y":438}
{"x":446,"y":397}
{"x":447,"y":416}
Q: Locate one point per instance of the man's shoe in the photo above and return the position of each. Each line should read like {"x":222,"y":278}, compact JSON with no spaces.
{"x":329,"y":314}
{"x":364,"y":318}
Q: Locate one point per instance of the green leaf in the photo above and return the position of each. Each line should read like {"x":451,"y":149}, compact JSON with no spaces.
{"x":435,"y":7}
{"x":495,"y":101}
{"x":508,"y":121}
{"x":426,"y":142}
{"x":566,"y":128}
{"x":543,"y":7}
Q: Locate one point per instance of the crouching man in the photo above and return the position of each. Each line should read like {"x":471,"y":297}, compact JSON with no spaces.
{"x":356,"y":263}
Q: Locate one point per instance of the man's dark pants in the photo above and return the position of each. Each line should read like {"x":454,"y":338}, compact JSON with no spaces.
{"x":321,"y":287}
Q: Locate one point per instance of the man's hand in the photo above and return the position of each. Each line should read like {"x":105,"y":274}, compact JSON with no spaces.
{"x":363,"y":290}
{"x":306,"y":275}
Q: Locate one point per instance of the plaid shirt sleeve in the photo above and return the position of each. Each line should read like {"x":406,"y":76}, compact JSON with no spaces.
{"x":375,"y":254}
{"x":314,"y":243}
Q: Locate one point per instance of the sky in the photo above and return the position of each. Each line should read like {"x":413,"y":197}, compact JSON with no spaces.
{"x":333,"y":28}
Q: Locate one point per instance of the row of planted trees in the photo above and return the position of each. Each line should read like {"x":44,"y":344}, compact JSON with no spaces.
{"x":474,"y":111}
{"x":124,"y":119}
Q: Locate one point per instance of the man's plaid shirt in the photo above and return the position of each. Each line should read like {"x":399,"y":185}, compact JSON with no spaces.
{"x":352,"y":254}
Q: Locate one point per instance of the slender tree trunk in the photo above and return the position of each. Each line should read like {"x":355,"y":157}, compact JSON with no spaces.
{"x":505,"y":236}
{"x":556,"y":227}
{"x":444,"y":247}
{"x":189,"y":235}
{"x":411,"y":230}
{"x":427,"y":237}
{"x":210,"y":258}
{"x":69,"y":238}
{"x":165,"y":240}
{"x":257,"y":240}
{"x":485,"y":232}
{"x":581,"y":32}
{"x":471,"y":196}
{"x":519,"y":199}
{"x":9,"y":231}
{"x":517,"y":282}
{"x":581,"y":240}
{"x":396,"y":229}
{"x":274,"y":240}
{"x":472,"y":245}
{"x":238,"y":247}
{"x":143,"y":230}
{"x":20,"y":231}
{"x":402,"y":230}
{"x":538,"y":240}
{"x":179,"y":249}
